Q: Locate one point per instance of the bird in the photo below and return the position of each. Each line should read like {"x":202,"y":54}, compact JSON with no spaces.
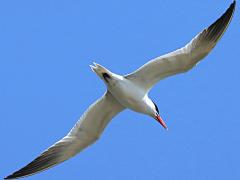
{"x":128,"y":92}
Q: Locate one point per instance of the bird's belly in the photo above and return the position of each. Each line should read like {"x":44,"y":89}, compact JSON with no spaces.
{"x":129,"y":95}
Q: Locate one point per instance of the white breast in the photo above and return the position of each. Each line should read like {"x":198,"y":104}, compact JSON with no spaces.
{"x":129,"y":95}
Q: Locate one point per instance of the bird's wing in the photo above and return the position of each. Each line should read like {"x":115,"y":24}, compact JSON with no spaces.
{"x":184,"y":58}
{"x":84,"y":133}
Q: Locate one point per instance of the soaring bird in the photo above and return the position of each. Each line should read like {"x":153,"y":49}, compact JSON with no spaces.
{"x":128,"y":91}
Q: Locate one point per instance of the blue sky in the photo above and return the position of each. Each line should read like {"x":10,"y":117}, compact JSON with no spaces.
{"x":46,"y":84}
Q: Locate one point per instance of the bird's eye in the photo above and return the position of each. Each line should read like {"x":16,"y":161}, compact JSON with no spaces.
{"x":156,"y":107}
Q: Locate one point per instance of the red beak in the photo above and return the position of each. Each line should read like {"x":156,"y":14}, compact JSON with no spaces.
{"x":159,"y":119}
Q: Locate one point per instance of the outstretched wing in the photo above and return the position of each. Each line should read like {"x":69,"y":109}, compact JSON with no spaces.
{"x":185,"y":58}
{"x":84,"y":133}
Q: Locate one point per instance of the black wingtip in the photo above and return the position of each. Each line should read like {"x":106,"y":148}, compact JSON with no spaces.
{"x":217,"y":29}
{"x":12,"y":176}
{"x":9,"y":177}
{"x":15,"y":175}
{"x":233,"y":5}
{"x":231,"y":8}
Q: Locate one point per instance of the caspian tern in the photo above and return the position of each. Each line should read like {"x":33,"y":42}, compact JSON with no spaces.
{"x":129,"y":91}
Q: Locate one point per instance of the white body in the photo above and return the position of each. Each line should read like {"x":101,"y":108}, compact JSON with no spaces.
{"x":130,"y":95}
{"x":129,"y":91}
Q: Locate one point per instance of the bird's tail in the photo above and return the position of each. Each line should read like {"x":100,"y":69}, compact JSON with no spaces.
{"x":99,"y":69}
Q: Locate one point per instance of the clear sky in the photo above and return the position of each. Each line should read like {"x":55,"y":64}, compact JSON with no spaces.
{"x":46,"y":84}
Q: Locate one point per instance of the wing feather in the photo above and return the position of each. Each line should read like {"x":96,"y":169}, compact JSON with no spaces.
{"x":184,"y":58}
{"x":84,"y":133}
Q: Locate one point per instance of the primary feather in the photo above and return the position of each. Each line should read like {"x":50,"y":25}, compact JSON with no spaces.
{"x":185,"y":58}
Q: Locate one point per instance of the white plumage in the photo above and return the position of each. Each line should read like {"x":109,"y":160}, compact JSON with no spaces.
{"x":130,"y":91}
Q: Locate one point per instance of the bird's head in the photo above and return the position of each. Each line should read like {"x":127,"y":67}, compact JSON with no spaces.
{"x":155,"y":115}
